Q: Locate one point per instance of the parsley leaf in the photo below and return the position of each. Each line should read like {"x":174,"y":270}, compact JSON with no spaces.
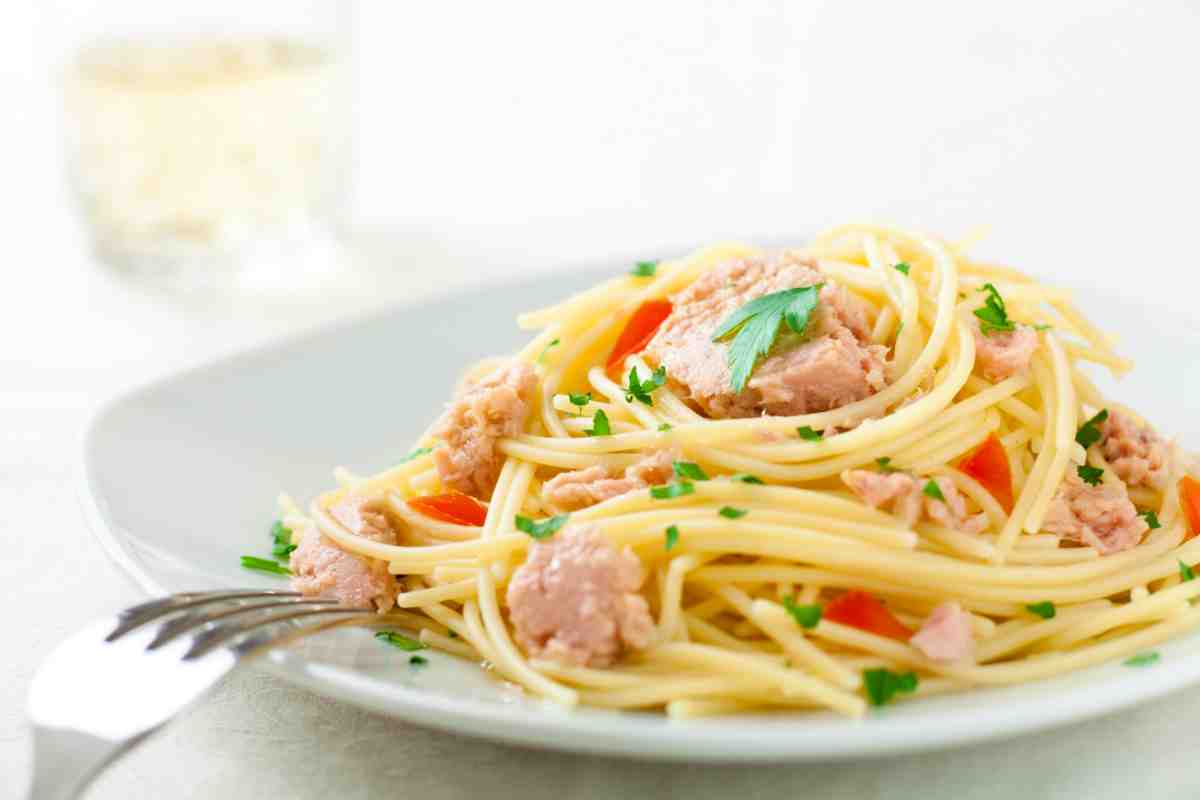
{"x":265,"y":565}
{"x":1045,"y":610}
{"x":417,"y":661}
{"x":755,"y":325}
{"x":1089,"y":475}
{"x":883,"y":684}
{"x":580,"y":400}
{"x":885,"y":464}
{"x":399,"y":640}
{"x":689,"y":469}
{"x":282,"y":537}
{"x":640,"y":390}
{"x":1186,"y":573}
{"x":546,"y":349}
{"x":541,"y":530}
{"x":1042,"y":327}
{"x":417,"y":453}
{"x":746,"y":477}
{"x":1142,"y":659}
{"x":1089,"y":432}
{"x":933,"y":490}
{"x":600,"y":426}
{"x":901,"y":267}
{"x":644,"y":269}
{"x":805,"y":616}
{"x":729,"y":512}
{"x":664,"y":427}
{"x":993,"y":316}
{"x":1151,"y":519}
{"x":672,"y":490}
{"x":672,"y":537}
{"x":808,"y":434}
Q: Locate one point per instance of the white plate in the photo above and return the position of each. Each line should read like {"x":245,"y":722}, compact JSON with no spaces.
{"x":181,"y":478}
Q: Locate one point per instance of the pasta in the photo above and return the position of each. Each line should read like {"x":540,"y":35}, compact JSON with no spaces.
{"x":953,"y":505}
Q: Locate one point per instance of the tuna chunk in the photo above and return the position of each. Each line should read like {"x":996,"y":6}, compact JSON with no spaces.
{"x":831,"y":365}
{"x":903,"y":494}
{"x":1101,"y":516}
{"x":1002,"y":355}
{"x":575,"y":600}
{"x":570,"y":491}
{"x":321,"y":567}
{"x":494,"y":407}
{"x":1138,"y":455}
{"x":945,"y":635}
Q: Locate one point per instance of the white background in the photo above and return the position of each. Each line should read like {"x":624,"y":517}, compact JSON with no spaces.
{"x":497,"y":138}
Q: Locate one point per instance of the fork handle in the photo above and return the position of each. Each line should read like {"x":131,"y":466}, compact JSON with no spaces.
{"x":65,"y":762}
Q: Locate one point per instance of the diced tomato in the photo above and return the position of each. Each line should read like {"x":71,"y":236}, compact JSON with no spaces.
{"x":1189,"y":498}
{"x":638,"y":331}
{"x":450,"y":507}
{"x":989,"y":465}
{"x":863,"y":611}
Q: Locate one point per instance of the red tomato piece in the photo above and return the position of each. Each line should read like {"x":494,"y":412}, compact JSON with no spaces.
{"x":638,"y":331}
{"x":1189,"y":498}
{"x":451,"y":507}
{"x":863,"y":611}
{"x":989,"y":465}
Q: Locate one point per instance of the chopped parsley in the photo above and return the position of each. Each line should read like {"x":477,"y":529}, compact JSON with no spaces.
{"x":546,"y":349}
{"x":640,"y":390}
{"x":1041,"y":326}
{"x":644,"y":269}
{"x":755,"y":326}
{"x":901,"y":267}
{"x":1151,"y":519}
{"x":993,"y":316}
{"x":729,"y":512}
{"x":689,"y":469}
{"x":282,"y":537}
{"x":672,"y":490}
{"x":417,"y":453}
{"x":1089,"y":432}
{"x":600,"y":426}
{"x":543,"y":529}
{"x":663,"y":428}
{"x":746,"y":477}
{"x":885,"y":464}
{"x":1142,"y":659}
{"x":805,"y":616}
{"x":883,"y":684}
{"x":399,"y":640}
{"x":1045,"y":609}
{"x":808,"y":434}
{"x":417,"y":661}
{"x":672,"y":537}
{"x":933,"y":490}
{"x":1089,"y":475}
{"x":1186,"y":573}
{"x":265,"y":565}
{"x":580,"y":400}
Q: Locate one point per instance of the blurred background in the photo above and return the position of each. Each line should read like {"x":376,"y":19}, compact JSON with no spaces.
{"x":186,"y":179}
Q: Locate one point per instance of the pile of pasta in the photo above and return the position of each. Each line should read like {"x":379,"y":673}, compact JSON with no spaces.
{"x":724,"y":592}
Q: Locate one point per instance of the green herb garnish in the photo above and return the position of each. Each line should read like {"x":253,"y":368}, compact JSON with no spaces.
{"x":729,"y":512}
{"x":282,"y":537}
{"x":808,"y":434}
{"x":417,"y":453}
{"x":644,"y":269}
{"x":543,"y":529}
{"x":883,"y":684}
{"x":1185,"y":572}
{"x":933,"y":490}
{"x":746,"y":477}
{"x":1089,"y":432}
{"x":755,"y":325}
{"x":689,"y":469}
{"x":885,"y":464}
{"x":993,"y":316}
{"x":1045,"y":610}
{"x":1142,"y":659}
{"x":265,"y":565}
{"x":672,"y":537}
{"x":1151,"y":519}
{"x":1041,"y":326}
{"x":399,"y":640}
{"x":1089,"y":475}
{"x":805,"y":616}
{"x":640,"y":390}
{"x":901,"y":267}
{"x":663,"y":428}
{"x":546,"y":349}
{"x":600,"y":426}
{"x":417,"y":661}
{"x":580,"y":400}
{"x":672,"y":490}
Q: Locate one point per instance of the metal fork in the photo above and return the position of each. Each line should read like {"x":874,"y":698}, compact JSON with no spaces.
{"x":108,"y":687}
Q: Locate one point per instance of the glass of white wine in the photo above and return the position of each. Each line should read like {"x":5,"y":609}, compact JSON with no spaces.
{"x":208,"y":143}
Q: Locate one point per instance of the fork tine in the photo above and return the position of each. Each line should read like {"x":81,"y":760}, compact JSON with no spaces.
{"x":139,"y":615}
{"x":173,"y":628}
{"x":207,"y":641}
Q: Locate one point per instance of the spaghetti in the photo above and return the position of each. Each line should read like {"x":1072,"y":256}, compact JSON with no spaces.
{"x":951,"y":520}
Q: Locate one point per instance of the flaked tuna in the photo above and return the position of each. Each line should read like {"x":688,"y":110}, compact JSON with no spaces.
{"x":833,"y":364}
{"x":945,"y":635}
{"x":1101,"y":516}
{"x":320,"y":567}
{"x":903,"y":495}
{"x":494,"y":407}
{"x":999,"y":355}
{"x":1137,"y":454}
{"x":569,"y":491}
{"x":575,"y":600}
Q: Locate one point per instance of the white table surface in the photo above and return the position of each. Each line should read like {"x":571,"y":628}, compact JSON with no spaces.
{"x":1070,"y":127}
